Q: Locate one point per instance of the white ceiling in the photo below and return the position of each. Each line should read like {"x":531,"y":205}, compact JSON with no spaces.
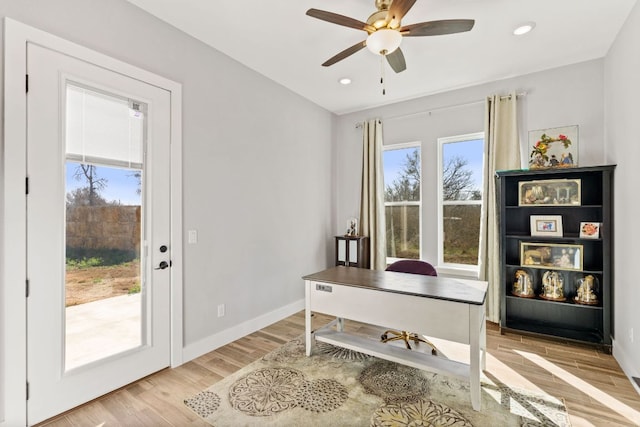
{"x":277,"y":39}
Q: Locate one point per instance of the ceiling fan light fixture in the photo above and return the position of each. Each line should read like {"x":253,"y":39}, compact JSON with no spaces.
{"x":384,"y":42}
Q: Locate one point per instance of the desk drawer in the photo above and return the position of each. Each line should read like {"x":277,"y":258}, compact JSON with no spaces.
{"x":436,"y":318}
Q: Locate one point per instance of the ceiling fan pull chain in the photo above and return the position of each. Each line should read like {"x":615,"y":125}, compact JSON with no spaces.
{"x":382,"y":82}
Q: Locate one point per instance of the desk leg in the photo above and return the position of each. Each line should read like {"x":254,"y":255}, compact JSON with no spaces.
{"x":308,"y":333}
{"x":483,"y":343}
{"x":475,"y":343}
{"x":339,"y":324}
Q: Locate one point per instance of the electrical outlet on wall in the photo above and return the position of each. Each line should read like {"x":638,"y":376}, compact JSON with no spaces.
{"x":631,"y":335}
{"x":220,"y":310}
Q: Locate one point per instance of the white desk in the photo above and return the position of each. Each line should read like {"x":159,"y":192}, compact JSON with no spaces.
{"x":450,"y":309}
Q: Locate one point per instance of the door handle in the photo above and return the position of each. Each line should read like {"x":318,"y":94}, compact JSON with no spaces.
{"x":163,"y":265}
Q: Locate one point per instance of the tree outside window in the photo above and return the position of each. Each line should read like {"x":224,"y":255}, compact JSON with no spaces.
{"x":402,"y":200}
{"x":461,"y":183}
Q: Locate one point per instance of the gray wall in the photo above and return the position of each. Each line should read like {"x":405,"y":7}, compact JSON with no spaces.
{"x":571,"y":95}
{"x":257,"y":163}
{"x":622,"y":118}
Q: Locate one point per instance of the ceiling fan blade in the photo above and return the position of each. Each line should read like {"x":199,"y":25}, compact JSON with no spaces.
{"x":335,"y":18}
{"x":345,"y":53}
{"x":396,"y":61}
{"x":397,"y":10}
{"x":436,"y":28}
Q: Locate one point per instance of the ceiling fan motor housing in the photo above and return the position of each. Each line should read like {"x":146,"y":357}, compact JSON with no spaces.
{"x":379,"y":19}
{"x":383,"y":4}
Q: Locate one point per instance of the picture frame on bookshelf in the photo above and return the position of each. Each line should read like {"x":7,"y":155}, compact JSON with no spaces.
{"x":551,"y":255}
{"x":589,"y":230}
{"x":546,"y":225}
{"x":550,"y":192}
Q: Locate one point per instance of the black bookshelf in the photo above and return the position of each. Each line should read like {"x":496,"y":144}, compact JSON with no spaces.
{"x":566,"y":318}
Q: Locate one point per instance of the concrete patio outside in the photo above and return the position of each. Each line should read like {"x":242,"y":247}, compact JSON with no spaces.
{"x":99,"y":329}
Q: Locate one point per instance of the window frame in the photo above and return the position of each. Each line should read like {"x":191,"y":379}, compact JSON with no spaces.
{"x":448,"y":267}
{"x":401,"y":146}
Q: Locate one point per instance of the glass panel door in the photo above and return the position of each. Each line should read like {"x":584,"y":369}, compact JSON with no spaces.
{"x":104,"y":140}
{"x":98,"y":211}
{"x":103,"y":305}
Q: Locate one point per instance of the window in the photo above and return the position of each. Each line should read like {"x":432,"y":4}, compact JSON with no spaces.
{"x":460,"y":176}
{"x":401,"y":165}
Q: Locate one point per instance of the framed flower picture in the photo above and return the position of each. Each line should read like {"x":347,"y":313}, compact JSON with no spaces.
{"x":589,"y":230}
{"x":554,"y":148}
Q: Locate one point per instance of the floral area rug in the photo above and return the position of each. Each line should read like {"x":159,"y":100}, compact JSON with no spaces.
{"x":338,"y":387}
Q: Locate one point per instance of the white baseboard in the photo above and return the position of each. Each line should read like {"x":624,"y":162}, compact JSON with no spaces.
{"x":212,"y":342}
{"x":627,"y":365}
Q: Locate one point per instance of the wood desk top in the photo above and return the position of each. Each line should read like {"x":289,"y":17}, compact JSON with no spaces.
{"x":465,"y":291}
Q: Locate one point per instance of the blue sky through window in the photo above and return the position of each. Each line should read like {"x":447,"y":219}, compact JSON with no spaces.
{"x":393,"y":162}
{"x":472,"y":151}
{"x":121,"y":185}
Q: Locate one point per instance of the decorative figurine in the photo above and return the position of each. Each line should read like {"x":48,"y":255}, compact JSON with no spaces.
{"x":552,"y":286}
{"x":585,"y":293}
{"x":522,"y":285}
{"x":352,"y":227}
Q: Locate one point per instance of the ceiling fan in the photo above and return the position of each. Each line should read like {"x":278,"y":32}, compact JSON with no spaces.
{"x":385,"y":31}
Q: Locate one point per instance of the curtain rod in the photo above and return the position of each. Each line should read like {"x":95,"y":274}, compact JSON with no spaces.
{"x":445,"y":107}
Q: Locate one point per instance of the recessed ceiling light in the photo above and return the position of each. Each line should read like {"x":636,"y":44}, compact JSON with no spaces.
{"x":524,"y":28}
{"x":345,"y":81}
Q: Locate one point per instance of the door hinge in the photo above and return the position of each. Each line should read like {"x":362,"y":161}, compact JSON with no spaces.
{"x":26,"y":83}
{"x":27,"y":290}
{"x":27,"y":390}
{"x":26,"y":184}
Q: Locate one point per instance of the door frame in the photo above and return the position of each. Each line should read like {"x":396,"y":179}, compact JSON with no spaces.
{"x":13,"y":259}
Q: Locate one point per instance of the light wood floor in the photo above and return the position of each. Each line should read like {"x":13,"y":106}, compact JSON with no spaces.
{"x":591,"y":383}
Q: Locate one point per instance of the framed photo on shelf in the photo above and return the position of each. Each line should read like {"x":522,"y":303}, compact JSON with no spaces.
{"x":550,"y":255}
{"x":589,"y":230}
{"x":546,"y":225}
{"x":550,"y":192}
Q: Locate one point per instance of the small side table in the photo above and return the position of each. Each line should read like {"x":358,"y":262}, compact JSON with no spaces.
{"x":352,"y":251}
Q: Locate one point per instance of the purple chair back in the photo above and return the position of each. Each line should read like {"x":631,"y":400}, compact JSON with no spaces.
{"x":413,"y":266}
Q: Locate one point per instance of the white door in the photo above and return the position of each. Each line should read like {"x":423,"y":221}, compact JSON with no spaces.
{"x":98,"y":230}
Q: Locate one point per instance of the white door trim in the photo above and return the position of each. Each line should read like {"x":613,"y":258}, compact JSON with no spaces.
{"x":13,"y":328}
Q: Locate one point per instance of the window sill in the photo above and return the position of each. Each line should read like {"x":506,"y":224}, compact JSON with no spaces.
{"x":470,"y":272}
